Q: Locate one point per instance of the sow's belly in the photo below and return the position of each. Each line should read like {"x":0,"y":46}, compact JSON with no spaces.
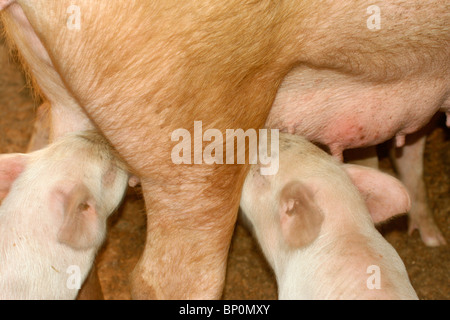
{"x":344,"y":111}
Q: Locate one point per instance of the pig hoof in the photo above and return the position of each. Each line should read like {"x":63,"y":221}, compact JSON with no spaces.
{"x":433,"y":239}
{"x":429,"y":232}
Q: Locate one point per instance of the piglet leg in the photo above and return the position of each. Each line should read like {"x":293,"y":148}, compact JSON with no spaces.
{"x":409,"y":164}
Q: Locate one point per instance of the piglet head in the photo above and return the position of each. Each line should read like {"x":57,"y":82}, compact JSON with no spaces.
{"x":88,"y":195}
{"x":301,"y":216}
{"x":82,"y":226}
{"x":315,"y":221}
{"x":298,"y":211}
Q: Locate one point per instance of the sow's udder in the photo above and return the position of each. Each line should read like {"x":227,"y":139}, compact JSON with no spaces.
{"x":344,"y":111}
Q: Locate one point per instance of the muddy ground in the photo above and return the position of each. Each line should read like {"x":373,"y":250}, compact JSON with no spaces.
{"x":248,"y":275}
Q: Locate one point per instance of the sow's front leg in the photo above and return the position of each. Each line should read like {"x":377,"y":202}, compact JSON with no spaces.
{"x":188,"y":232}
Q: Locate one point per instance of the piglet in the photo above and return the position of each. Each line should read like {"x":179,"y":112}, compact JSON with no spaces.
{"x":314,"y":221}
{"x":53,"y":215}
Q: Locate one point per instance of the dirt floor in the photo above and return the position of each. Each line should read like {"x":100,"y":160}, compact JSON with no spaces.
{"x":248,"y":275}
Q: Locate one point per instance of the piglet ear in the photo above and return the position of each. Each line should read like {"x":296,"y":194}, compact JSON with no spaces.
{"x":301,"y":219}
{"x":11,"y":166}
{"x":385,"y":196}
{"x":82,"y":227}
